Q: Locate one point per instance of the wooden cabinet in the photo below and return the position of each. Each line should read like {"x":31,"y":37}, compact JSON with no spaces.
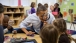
{"x":16,"y":14}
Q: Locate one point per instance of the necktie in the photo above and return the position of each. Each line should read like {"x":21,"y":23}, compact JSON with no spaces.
{"x":41,"y":24}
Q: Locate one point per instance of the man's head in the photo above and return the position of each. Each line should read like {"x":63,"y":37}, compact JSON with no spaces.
{"x":1,"y":13}
{"x":41,"y":11}
{"x":5,"y":20}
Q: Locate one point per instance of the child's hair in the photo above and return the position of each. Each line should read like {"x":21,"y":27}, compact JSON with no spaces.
{"x":57,"y":4}
{"x":1,"y":8}
{"x":46,"y":5}
{"x":60,"y":24}
{"x":33,"y":4}
{"x":5,"y":20}
{"x":49,"y":34}
{"x":39,"y":4}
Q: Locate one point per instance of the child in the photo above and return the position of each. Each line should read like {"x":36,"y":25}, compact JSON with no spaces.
{"x":61,"y":25}
{"x":33,"y":7}
{"x":49,"y":34}
{"x":57,"y":9}
{"x":6,"y":26}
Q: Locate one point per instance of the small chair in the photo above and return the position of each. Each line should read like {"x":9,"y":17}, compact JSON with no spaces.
{"x":72,"y":23}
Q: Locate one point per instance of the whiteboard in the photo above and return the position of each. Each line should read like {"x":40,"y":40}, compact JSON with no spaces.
{"x":15,"y":2}
{"x":5,"y":2}
{"x":26,"y":2}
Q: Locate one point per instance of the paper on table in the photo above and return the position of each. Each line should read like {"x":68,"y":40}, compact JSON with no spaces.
{"x":72,"y":42}
{"x":74,"y":36}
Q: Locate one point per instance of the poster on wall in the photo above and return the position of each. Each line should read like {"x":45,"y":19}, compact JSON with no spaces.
{"x":64,"y":9}
{"x":67,"y":0}
{"x":72,"y":4}
{"x":65,"y":3}
{"x":67,"y":7}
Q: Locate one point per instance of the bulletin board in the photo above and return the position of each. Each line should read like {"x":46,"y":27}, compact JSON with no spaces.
{"x":65,"y":5}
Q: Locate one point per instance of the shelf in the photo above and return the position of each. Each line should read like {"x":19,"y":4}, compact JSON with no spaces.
{"x":15,"y":26}
{"x":13,"y":7}
{"x":16,"y":14}
{"x":10,"y":16}
{"x":13,"y":12}
{"x":8,"y":12}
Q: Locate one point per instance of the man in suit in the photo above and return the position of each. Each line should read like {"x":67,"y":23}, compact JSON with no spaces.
{"x":37,"y":20}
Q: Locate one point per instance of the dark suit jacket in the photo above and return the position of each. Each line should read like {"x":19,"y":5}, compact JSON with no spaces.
{"x":1,"y":34}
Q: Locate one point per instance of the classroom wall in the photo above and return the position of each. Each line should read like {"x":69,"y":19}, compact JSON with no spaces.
{"x":28,"y":7}
{"x":65,"y":6}
{"x":25,"y":3}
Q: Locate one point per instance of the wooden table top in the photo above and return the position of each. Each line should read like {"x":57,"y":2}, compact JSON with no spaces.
{"x":22,"y":35}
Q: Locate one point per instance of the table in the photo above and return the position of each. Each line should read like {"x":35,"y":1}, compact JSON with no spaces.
{"x":74,"y":36}
{"x":22,"y":35}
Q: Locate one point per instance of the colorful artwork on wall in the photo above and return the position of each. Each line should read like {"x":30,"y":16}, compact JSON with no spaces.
{"x":65,"y":13}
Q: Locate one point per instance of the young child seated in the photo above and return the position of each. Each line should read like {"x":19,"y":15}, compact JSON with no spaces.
{"x":49,"y":34}
{"x":6,"y":26}
{"x":61,"y":25}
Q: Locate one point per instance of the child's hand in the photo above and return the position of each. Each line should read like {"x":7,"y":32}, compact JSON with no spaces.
{"x":9,"y":27}
{"x":14,"y":32}
{"x":45,"y":22}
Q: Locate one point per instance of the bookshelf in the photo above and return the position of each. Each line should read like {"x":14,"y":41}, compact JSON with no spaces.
{"x":16,"y":15}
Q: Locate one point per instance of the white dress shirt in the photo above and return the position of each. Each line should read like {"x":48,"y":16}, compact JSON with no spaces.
{"x":35,"y":21}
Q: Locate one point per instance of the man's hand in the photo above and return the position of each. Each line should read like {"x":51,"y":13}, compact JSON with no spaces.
{"x":30,"y":33}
